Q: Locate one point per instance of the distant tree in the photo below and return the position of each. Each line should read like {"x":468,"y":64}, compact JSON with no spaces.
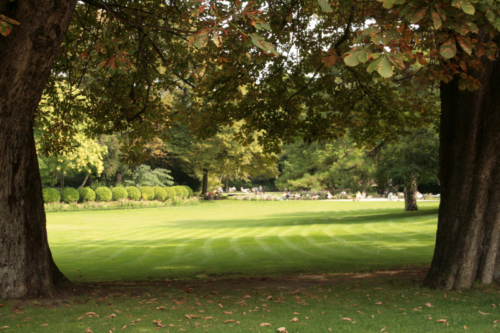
{"x":143,"y":175}
{"x":411,"y":161}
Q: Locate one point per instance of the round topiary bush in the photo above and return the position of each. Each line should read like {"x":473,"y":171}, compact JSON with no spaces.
{"x":51,"y":195}
{"x":103,"y":194}
{"x":160,"y":193}
{"x":180,"y":191}
{"x":170,"y":192}
{"x":147,"y":193}
{"x":190,"y":191}
{"x":87,"y":194}
{"x":69,"y":195}
{"x":133,"y":193}
{"x":119,"y":193}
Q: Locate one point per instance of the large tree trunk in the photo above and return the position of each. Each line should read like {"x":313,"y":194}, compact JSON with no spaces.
{"x":27,"y":55}
{"x":411,"y":196}
{"x":84,"y":181}
{"x":469,"y":215}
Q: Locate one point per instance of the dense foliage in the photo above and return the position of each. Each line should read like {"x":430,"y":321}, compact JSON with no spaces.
{"x":147,"y":193}
{"x":103,"y":194}
{"x":70,"y":195}
{"x":119,"y":193}
{"x":86,"y":194}
{"x":133,"y":193}
{"x":51,"y":195}
{"x":160,"y":193}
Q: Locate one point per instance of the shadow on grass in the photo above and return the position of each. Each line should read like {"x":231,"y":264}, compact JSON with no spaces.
{"x":306,"y":218}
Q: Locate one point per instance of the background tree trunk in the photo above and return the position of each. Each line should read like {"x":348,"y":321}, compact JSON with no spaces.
{"x":27,"y":55}
{"x":84,"y":181}
{"x":118,"y":178}
{"x":411,"y":196}
{"x":205,"y":182}
{"x":469,"y":214}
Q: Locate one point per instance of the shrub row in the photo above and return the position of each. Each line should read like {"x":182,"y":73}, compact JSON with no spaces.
{"x":145,"y":193}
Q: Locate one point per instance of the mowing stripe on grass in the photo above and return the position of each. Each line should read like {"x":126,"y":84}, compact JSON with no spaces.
{"x":251,"y":238}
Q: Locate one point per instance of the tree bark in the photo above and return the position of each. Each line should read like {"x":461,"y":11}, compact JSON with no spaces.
{"x":118,"y":178}
{"x":411,"y":196}
{"x":27,"y":55}
{"x":205,"y":182}
{"x":84,"y":181}
{"x":467,"y":240}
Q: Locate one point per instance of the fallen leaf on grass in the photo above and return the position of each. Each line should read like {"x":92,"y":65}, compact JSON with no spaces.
{"x":442,"y":321}
{"x":4,"y":327}
{"x":282,"y":330}
{"x":418,"y":309}
{"x":227,"y":312}
{"x":206,"y":318}
{"x":429,"y":305}
{"x":161,"y":308}
{"x":494,"y":305}
{"x":359,"y":312}
{"x":117,"y":311}
{"x":88,"y":330}
{"x":45,"y":324}
{"x":346,"y":319}
{"x":383,"y":329}
{"x":220,"y":305}
{"x":158,"y":322}
{"x":496,"y":321}
{"x":247,"y":296}
{"x":295,"y":319}
{"x":483,"y":313}
{"x":112,"y":316}
{"x":265,"y":324}
{"x":229,"y":321}
{"x":378,"y":303}
{"x":92,"y":314}
{"x":296,"y":313}
{"x":79,"y":318}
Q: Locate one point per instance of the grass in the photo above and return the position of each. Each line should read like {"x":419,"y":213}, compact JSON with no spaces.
{"x":241,"y":239}
{"x":290,"y":241}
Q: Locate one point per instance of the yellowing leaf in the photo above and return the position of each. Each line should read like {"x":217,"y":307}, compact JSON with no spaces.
{"x":325,"y":6}
{"x":483,"y":313}
{"x":265,"y":324}
{"x":295,"y":319}
{"x":448,"y":49}
{"x":429,"y":305}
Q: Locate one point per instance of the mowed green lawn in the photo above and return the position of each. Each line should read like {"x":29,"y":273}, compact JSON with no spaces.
{"x":241,"y":238}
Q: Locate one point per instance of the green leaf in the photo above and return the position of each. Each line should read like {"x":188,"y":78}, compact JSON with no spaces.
{"x":363,"y":56}
{"x":262,"y":44}
{"x":384,"y":68}
{"x":418,"y":15}
{"x":325,"y":5}
{"x":351,"y":58}
{"x":266,"y":26}
{"x":467,"y":7}
{"x":473,"y":27}
{"x":465,"y":44}
{"x":456,"y":3}
{"x":490,"y":15}
{"x":448,"y":50}
{"x":200,"y":39}
{"x":436,"y":19}
{"x":373,"y":65}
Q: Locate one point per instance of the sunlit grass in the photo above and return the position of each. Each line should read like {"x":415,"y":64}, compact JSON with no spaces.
{"x":241,"y":238}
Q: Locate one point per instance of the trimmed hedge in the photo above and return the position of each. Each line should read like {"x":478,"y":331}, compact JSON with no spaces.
{"x":133,"y":193}
{"x":51,"y":195}
{"x":170,"y":192}
{"x":190,"y":191}
{"x":87,"y":194}
{"x":69,"y":195}
{"x":160,"y":193}
{"x":180,"y":191}
{"x":119,"y":193}
{"x":147,"y":193}
{"x":103,"y":194}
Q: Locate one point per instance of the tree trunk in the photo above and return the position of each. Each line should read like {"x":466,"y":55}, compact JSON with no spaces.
{"x":84,"y":181}
{"x":411,"y":196}
{"x":469,"y":214}
{"x":27,"y":55}
{"x":227,"y":184}
{"x":118,"y":178}
{"x":205,"y":182}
